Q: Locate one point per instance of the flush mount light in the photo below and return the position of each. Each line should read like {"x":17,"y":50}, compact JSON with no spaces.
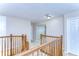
{"x":48,"y":16}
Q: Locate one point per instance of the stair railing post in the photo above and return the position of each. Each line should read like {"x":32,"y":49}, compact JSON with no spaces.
{"x":10,"y":44}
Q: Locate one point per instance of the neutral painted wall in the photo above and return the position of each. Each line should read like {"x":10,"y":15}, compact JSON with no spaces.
{"x":2,"y":25}
{"x":66,"y":35}
{"x":2,"y":28}
{"x":18,"y":26}
{"x":54,"y":26}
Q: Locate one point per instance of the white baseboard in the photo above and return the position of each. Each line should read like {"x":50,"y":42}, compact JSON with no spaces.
{"x":75,"y":54}
{"x":65,"y":53}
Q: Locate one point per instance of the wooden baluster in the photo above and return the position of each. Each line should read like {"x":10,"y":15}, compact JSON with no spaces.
{"x":55,"y":47}
{"x":46,"y":50}
{"x":5,"y":47}
{"x":61,"y":46}
{"x":50,"y":48}
{"x":25,"y":38}
{"x":15,"y":46}
{"x":56,"y":53}
{"x":22,"y":42}
{"x":10,"y":44}
{"x":26,"y":44}
{"x":58,"y":46}
{"x":20,"y":45}
{"x":2,"y":47}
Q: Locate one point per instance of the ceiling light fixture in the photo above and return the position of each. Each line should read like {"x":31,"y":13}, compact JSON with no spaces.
{"x":48,"y":16}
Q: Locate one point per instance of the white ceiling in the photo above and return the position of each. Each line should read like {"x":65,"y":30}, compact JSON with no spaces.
{"x":36,"y":11}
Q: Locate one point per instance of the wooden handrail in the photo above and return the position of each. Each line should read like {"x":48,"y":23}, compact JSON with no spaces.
{"x":50,"y":36}
{"x":33,"y":49}
{"x":12,"y":36}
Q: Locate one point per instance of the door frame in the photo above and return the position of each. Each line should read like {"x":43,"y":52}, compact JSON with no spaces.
{"x":44,"y":31}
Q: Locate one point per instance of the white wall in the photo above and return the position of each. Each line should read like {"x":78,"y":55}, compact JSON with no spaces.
{"x":54,"y":26}
{"x":2,"y":25}
{"x":18,"y":26}
{"x":2,"y":28}
{"x":66,"y":35}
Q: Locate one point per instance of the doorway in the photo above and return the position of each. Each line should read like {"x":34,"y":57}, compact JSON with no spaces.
{"x":40,"y":29}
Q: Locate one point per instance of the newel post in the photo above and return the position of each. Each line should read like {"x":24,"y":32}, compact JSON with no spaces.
{"x":26,"y":43}
{"x":22,"y":42}
{"x":10,"y":44}
{"x":61,"y":45}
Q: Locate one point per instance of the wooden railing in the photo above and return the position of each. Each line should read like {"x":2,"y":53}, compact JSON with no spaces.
{"x":56,"y":48}
{"x":51,"y":48}
{"x":35,"y":51}
{"x":13,"y":44}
